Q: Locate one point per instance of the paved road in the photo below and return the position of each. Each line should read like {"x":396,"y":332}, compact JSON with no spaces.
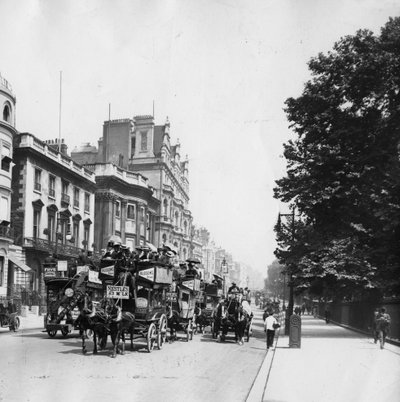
{"x":36,"y":368}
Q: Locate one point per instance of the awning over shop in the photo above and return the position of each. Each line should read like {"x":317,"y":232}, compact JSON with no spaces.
{"x":19,"y":263}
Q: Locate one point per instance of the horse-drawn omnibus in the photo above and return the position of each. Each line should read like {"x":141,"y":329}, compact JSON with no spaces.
{"x":183,"y":305}
{"x":62,"y":300}
{"x":152,"y":281}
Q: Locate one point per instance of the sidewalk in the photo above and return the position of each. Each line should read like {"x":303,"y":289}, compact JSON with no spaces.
{"x":334,"y":364}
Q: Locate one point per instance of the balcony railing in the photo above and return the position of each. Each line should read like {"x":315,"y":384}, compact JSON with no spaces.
{"x":7,"y":232}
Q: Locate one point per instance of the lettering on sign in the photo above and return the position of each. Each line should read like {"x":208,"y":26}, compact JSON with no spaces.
{"x":49,"y":271}
{"x":108,"y":270}
{"x":118,"y":292}
{"x":188,"y":284}
{"x":62,"y":266}
{"x":147,"y":274}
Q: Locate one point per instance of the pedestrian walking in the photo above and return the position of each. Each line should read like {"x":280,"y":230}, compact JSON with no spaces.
{"x":383,"y":321}
{"x":327,"y":316}
{"x":270,"y":324}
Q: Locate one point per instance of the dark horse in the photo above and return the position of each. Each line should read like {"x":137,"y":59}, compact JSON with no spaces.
{"x":92,"y":318}
{"x":120,"y":322}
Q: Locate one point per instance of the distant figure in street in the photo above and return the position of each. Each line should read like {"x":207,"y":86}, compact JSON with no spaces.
{"x":383,"y":321}
{"x":303,"y":308}
{"x":375,"y":326}
{"x":269,"y":327}
{"x":327,"y":316}
{"x":233,"y":287}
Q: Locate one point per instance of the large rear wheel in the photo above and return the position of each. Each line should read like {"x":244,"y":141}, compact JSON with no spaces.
{"x":162,"y":332}
{"x":151,"y":337}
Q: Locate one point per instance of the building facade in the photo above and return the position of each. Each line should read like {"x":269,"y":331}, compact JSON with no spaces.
{"x":125,"y":207}
{"x":7,"y":134}
{"x":138,"y":145}
{"x":52,"y":206}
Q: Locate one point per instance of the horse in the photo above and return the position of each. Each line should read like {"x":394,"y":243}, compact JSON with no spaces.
{"x":173,"y":322}
{"x":119,"y":323}
{"x":92,"y":318}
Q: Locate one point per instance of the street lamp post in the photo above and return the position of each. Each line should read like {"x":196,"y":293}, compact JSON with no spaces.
{"x":224,"y":271}
{"x":289,"y":310}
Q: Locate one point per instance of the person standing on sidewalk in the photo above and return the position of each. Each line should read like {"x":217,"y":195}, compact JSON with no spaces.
{"x":270,"y":324}
{"x":383,"y":325}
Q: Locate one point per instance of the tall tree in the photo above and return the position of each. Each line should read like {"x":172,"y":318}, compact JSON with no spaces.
{"x":343,"y":171}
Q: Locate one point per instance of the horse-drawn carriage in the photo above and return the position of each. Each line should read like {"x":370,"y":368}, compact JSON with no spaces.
{"x":183,"y":295}
{"x":62,"y":299}
{"x":211,"y":296}
{"x":234,"y":315}
{"x":152,"y":281}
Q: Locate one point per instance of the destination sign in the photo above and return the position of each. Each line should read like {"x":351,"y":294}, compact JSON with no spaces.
{"x":118,"y":292}
{"x":188,"y":284}
{"x":147,"y":274}
{"x":62,"y":266}
{"x":108,"y":270}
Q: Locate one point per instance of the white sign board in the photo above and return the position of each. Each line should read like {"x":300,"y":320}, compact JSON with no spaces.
{"x":82,"y":268}
{"x":108,"y":270}
{"x":188,"y":284}
{"x":147,"y":274}
{"x":118,"y":292}
{"x":94,"y":277}
{"x":62,"y":266}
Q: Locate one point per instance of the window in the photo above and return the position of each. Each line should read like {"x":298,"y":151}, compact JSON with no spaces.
{"x":133,"y":145}
{"x":38,"y":178}
{"x":141,"y":214}
{"x":87,"y":202}
{"x":64,"y":192}
{"x":4,"y":213}
{"x":6,"y":113}
{"x":131,"y":213}
{"x":117,"y":209}
{"x":165,"y":206}
{"x":52,"y":186}
{"x":1,"y":271}
{"x":51,"y":226}
{"x":75,"y":233}
{"x":6,"y":157}
{"x":143,"y":140}
{"x":36,"y":223}
{"x":76,"y":197}
{"x":176,"y":219}
{"x":86,"y":236}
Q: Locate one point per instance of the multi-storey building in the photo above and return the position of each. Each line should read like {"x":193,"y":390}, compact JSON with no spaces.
{"x":52,"y":205}
{"x":125,"y":206}
{"x":138,"y":145}
{"x":7,"y":133}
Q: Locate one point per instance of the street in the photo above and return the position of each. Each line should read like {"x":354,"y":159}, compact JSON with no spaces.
{"x":38,"y":368}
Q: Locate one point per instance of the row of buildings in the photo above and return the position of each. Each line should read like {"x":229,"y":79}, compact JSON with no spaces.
{"x":133,"y":186}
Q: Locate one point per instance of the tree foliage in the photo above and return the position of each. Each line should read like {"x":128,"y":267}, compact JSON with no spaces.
{"x":343,"y":171}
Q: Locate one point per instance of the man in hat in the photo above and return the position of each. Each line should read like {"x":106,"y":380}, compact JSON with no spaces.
{"x":233,"y":287}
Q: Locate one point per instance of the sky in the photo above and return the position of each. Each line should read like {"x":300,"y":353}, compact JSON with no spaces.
{"x":219,"y":69}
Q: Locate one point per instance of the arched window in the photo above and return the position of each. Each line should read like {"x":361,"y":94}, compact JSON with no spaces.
{"x":164,"y":238}
{"x":185,"y":227}
{"x":7,"y":113}
{"x":165,"y":206}
{"x":176,"y":218}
